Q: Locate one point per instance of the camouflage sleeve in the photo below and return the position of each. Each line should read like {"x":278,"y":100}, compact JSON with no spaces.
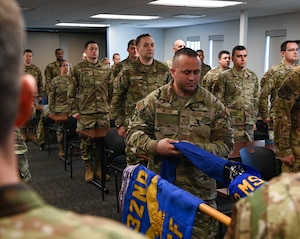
{"x":20,"y":145}
{"x":51,"y":97}
{"x":140,"y":133}
{"x":110,"y":85}
{"x":120,"y":86}
{"x":219,"y":88}
{"x":48,"y":78}
{"x":40,"y":83}
{"x":266,"y":85}
{"x":283,"y":114}
{"x":272,"y":211}
{"x":205,"y":82}
{"x":72,"y":92}
{"x":256,"y":97}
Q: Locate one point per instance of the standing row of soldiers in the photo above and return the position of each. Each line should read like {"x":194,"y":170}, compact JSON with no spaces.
{"x":88,"y":90}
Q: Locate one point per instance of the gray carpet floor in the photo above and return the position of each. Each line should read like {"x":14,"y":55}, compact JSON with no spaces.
{"x":57,"y":188}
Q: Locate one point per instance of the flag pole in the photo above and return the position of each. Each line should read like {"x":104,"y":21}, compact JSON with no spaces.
{"x":221,"y":217}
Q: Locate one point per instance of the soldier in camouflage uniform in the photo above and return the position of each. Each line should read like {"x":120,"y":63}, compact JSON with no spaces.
{"x":287,"y":122}
{"x":273,"y":79}
{"x":204,"y":68}
{"x":271,"y":212}
{"x":28,"y":130}
{"x":211,"y":77}
{"x":237,"y":89}
{"x":182,"y":110}
{"x":53,"y":69}
{"x":88,"y":102}
{"x":137,"y":80}
{"x":58,"y":100}
{"x":23,"y":214}
{"x":132,"y":56}
{"x":21,"y":150}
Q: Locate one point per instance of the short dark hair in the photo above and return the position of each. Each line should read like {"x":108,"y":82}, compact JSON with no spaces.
{"x":221,"y":53}
{"x":132,"y":42}
{"x":27,"y":51}
{"x":58,"y":49}
{"x":283,"y":45}
{"x":115,"y":54}
{"x":62,"y":61}
{"x":184,"y":51}
{"x":88,"y":43}
{"x":139,"y":38}
{"x":238,"y":48}
{"x":11,"y":47}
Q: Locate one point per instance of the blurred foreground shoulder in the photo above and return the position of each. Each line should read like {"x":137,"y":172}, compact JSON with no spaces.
{"x":272,"y":211}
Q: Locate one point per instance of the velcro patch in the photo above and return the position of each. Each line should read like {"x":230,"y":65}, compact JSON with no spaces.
{"x":284,"y":92}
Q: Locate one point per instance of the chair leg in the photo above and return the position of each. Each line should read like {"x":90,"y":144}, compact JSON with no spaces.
{"x":71,"y":161}
{"x":117,"y":189}
{"x":48,"y":140}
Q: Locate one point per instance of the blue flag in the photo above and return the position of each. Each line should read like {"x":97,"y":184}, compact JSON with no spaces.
{"x":213,"y":166}
{"x":158,"y":208}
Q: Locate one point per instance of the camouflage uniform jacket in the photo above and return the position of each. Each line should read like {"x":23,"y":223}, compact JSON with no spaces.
{"x":121,"y":65}
{"x":204,"y":69}
{"x":133,"y":83}
{"x":37,"y":74}
{"x":238,"y":91}
{"x":58,"y":100}
{"x":269,"y":85}
{"x":52,"y":70}
{"x":169,"y":63}
{"x":271,"y":212}
{"x":211,"y":78}
{"x":202,"y":120}
{"x":287,"y":116}
{"x":23,"y":213}
{"x":20,"y":145}
{"x":88,"y":89}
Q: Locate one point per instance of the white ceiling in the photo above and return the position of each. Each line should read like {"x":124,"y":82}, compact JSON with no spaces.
{"x":44,"y":14}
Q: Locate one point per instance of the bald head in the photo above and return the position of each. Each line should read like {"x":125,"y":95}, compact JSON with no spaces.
{"x":178,"y":44}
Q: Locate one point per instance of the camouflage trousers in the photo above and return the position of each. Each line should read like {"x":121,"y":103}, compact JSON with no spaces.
{"x":41,"y":131}
{"x":243,"y":133}
{"x":24,"y":168}
{"x":205,"y":227}
{"x":87,"y":146}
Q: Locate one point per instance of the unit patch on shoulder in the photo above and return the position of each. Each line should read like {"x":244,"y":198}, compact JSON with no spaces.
{"x":284,"y":92}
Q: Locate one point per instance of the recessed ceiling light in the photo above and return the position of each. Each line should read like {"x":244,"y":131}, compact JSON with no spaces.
{"x":186,"y":16}
{"x":69,"y":24}
{"x":125,"y":17}
{"x":196,"y":3}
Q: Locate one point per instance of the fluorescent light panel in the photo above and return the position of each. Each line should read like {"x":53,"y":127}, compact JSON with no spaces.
{"x":124,"y":17}
{"x":69,"y":24}
{"x":196,"y":3}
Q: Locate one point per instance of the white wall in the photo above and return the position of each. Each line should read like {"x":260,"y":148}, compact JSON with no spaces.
{"x":257,"y":28}
{"x":43,"y":44}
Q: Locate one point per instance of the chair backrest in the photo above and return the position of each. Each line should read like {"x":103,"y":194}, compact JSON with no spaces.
{"x":115,"y":143}
{"x":262,"y":130}
{"x":262,"y":159}
{"x":71,"y":125}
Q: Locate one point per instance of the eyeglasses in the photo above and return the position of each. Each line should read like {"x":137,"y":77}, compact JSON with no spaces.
{"x":293,"y":49}
{"x":65,"y":65}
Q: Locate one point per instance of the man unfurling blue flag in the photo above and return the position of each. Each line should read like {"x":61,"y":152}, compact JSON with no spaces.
{"x":240,"y":179}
